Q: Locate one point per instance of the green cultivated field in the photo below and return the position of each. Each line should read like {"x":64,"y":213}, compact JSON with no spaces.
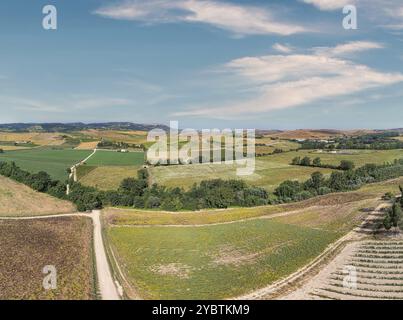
{"x":107,"y":177}
{"x":112,"y":158}
{"x":183,"y":261}
{"x":270,"y":170}
{"x":268,"y":174}
{"x":359,"y":157}
{"x":193,"y":257}
{"x":54,"y":162}
{"x":213,"y":262}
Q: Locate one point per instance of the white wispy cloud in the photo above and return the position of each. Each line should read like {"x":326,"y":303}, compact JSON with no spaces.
{"x":393,"y":27}
{"x":282,"y":48}
{"x":330,"y":4}
{"x":396,"y":11}
{"x":68,"y":104}
{"x":285,"y":81}
{"x":238,"y":19}
{"x":349,"y":48}
{"x":29,"y":104}
{"x":98,"y":102}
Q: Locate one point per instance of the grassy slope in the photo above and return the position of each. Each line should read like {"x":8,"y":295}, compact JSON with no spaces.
{"x":19,"y":200}
{"x":214,"y":262}
{"x":55,"y":162}
{"x":145,"y":217}
{"x":111,"y":158}
{"x":29,"y":245}
{"x":222,"y":261}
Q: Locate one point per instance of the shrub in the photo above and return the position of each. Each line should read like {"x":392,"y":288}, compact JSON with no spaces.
{"x":152,"y":202}
{"x":346,"y":165}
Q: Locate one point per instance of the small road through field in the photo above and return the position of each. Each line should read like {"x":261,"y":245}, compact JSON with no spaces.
{"x":106,"y":283}
{"x":73,"y":168}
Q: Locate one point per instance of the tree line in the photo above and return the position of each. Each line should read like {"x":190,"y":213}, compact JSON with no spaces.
{"x":338,"y":181}
{"x":374,"y":141}
{"x":138,"y":193}
{"x":317,"y":162}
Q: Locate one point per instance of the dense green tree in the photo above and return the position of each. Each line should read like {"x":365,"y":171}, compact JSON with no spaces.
{"x":393,"y":217}
{"x":132,"y":186}
{"x":306,"y":161}
{"x":396,"y":215}
{"x":40,"y":181}
{"x":58,"y":190}
{"x":317,"y":162}
{"x":288,"y":189}
{"x":316,"y":181}
{"x":337,"y":181}
{"x":387,"y":222}
{"x":152,"y":202}
{"x":172,"y":204}
{"x":346,"y":165}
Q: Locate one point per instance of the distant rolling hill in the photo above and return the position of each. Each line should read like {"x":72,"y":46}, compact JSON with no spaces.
{"x":78,"y":126}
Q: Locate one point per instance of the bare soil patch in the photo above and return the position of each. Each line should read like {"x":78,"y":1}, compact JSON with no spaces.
{"x":179,"y":270}
{"x":27,"y":246}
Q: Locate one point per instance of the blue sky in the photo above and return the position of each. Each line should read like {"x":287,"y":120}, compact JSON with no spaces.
{"x":270,"y":64}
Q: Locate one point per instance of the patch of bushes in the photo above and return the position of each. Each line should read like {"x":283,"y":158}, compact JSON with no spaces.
{"x":338,"y":181}
{"x":317,"y":163}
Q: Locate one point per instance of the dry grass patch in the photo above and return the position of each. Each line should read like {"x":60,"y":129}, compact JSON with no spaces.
{"x":19,"y":200}
{"x":230,"y":255}
{"x":41,"y":139}
{"x":340,"y":217}
{"x":146,"y":217}
{"x":135,"y":137}
{"x":87,"y":145}
{"x":12,"y":148}
{"x":108,"y":177}
{"x":172,"y":269}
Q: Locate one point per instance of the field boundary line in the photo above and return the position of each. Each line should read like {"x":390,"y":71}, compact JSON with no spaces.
{"x":268,"y":216}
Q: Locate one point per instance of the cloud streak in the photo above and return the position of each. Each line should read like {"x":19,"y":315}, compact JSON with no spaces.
{"x":286,"y":81}
{"x":328,"y":5}
{"x":240,"y":20}
{"x":349,"y":48}
{"x":282,"y":48}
